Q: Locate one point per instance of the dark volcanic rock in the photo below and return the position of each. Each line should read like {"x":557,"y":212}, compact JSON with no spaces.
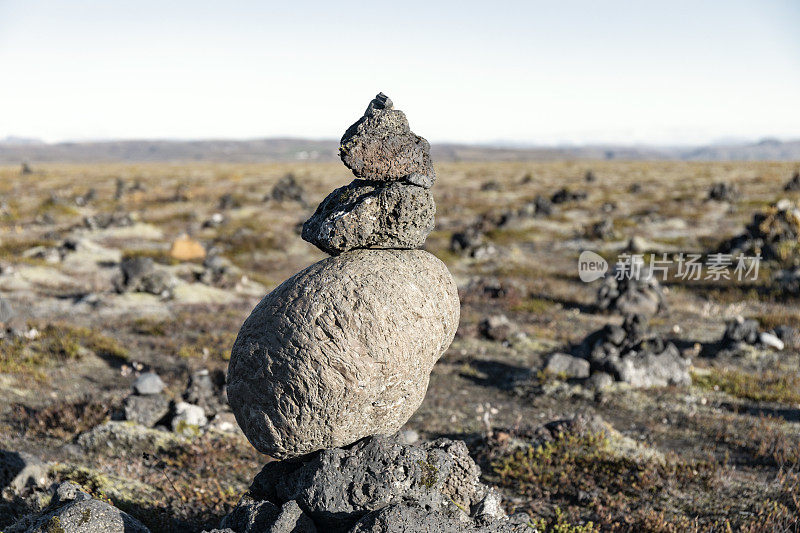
{"x":369,"y":215}
{"x":146,"y":410}
{"x":565,"y":195}
{"x":632,"y":294}
{"x":380,"y":146}
{"x":723,"y":192}
{"x":631,"y":354}
{"x":339,"y":488}
{"x":793,"y":184}
{"x":773,"y":233}
{"x":288,"y":189}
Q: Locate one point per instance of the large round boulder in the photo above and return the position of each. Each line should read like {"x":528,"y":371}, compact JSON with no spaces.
{"x":341,"y":350}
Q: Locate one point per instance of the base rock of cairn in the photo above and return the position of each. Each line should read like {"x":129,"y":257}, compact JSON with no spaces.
{"x":375,"y":485}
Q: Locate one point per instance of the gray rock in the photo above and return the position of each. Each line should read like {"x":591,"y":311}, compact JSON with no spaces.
{"x":600,"y":381}
{"x":204,"y":390}
{"x":139,"y":274}
{"x":20,"y":470}
{"x":723,"y":192}
{"x":148,"y":383}
{"x":408,"y":436}
{"x":341,"y":350}
{"x":75,"y":511}
{"x":146,"y":410}
{"x":567,"y":365}
{"x":367,"y":215}
{"x":288,"y":189}
{"x":336,"y":487}
{"x":640,"y":295}
{"x":497,"y":328}
{"x":188,"y":418}
{"x":633,"y":355}
{"x":413,"y":518}
{"x":793,"y":184}
{"x":740,"y":329}
{"x":380,"y":146}
{"x":251,"y":516}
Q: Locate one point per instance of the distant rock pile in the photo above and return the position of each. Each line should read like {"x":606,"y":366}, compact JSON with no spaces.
{"x":741,"y":331}
{"x":637,"y":293}
{"x":723,"y":192}
{"x":630,"y":353}
{"x":774,"y":234}
{"x":793,"y":184}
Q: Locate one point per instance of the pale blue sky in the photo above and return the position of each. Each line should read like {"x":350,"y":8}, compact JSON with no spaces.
{"x":544,"y":72}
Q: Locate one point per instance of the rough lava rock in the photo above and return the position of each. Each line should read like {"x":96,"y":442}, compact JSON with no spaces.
{"x":632,"y":355}
{"x":631,"y":294}
{"x":359,"y":489}
{"x":380,"y":146}
{"x":368,"y":215}
{"x":341,"y":350}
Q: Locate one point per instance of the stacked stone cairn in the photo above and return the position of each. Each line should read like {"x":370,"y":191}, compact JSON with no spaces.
{"x":330,"y":364}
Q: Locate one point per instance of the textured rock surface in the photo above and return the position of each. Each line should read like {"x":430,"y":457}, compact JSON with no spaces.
{"x":380,"y":146}
{"x":74,"y":511}
{"x":341,"y":350}
{"x":146,"y":410}
{"x":368,"y":215}
{"x":355,"y":489}
{"x":631,"y":295}
{"x":632,"y":355}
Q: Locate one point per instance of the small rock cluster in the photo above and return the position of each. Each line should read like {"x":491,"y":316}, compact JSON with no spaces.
{"x":141,"y":274}
{"x":740,"y":331}
{"x":793,"y":184}
{"x":774,"y":234}
{"x":631,"y":294}
{"x":723,"y":191}
{"x":628,"y":353}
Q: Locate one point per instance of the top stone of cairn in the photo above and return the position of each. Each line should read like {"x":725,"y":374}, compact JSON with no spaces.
{"x":380,"y":146}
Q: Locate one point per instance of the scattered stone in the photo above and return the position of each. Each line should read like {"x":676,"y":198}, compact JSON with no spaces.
{"x":491,"y":185}
{"x":368,"y":215}
{"x":631,"y":354}
{"x":497,"y":328}
{"x":741,"y":331}
{"x":380,"y":146}
{"x":600,"y":381}
{"x":85,"y":199}
{"x":288,"y":190}
{"x":148,"y":383}
{"x":341,"y":350}
{"x":25,"y":169}
{"x":631,"y":294}
{"x":228,"y":201}
{"x":108,"y":220}
{"x":787,"y":281}
{"x":204,"y":390}
{"x":565,"y":195}
{"x":637,"y":245}
{"x":188,"y":419}
{"x":219,"y":271}
{"x":139,"y":274}
{"x":184,"y":248}
{"x":215,"y":221}
{"x":723,"y":192}
{"x":603,"y":229}
{"x":590,"y":177}
{"x":539,"y":206}
{"x":793,"y":184}
{"x":561,"y":364}
{"x":146,"y":410}
{"x":74,"y":511}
